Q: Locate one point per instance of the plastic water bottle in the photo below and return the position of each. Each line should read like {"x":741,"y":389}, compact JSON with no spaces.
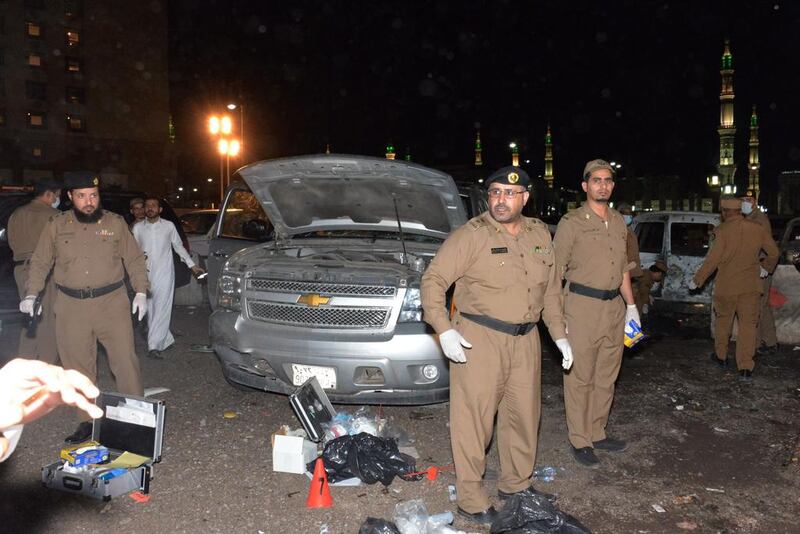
{"x":546,"y":473}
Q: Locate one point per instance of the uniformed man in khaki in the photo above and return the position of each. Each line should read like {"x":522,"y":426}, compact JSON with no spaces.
{"x":644,"y":284}
{"x":24,"y":228}
{"x":591,"y":252}
{"x":89,"y":250}
{"x":738,"y":285}
{"x":502,"y":265}
{"x":767,"y":338}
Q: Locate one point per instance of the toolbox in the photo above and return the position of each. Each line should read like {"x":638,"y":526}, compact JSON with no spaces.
{"x":129,"y":424}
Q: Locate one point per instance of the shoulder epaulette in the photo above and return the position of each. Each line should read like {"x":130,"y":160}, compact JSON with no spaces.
{"x":477,"y":222}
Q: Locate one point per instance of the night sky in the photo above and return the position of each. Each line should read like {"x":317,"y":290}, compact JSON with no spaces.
{"x":638,"y":83}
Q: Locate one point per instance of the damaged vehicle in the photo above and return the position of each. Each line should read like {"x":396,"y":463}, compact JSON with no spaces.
{"x":681,"y":239}
{"x":332,"y":290}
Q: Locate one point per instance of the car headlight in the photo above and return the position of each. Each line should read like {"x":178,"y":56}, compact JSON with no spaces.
{"x":411,"y":312}
{"x":229,"y":291}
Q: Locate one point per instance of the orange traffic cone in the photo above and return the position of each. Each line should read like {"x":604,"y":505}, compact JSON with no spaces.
{"x":319,"y":495}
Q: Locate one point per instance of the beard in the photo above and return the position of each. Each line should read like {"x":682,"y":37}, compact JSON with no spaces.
{"x":602,"y":200}
{"x":88,"y":218}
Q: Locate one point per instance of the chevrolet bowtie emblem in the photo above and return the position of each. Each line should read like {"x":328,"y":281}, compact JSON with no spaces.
{"x":313,"y":299}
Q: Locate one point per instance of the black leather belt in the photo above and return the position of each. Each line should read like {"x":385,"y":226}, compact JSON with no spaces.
{"x":89,"y":292}
{"x":586,"y":291}
{"x":20,"y":262}
{"x":512,"y":329}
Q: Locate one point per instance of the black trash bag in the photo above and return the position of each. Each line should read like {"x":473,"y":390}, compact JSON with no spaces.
{"x":374,"y":525}
{"x":368,"y":457}
{"x":528,"y":513}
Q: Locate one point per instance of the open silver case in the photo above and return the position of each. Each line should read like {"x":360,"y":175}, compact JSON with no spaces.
{"x":130,"y":423}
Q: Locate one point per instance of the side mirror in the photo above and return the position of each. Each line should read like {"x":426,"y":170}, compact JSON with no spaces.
{"x":256,"y":229}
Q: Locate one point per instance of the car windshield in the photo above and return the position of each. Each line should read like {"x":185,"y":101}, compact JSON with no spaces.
{"x":367,"y":234}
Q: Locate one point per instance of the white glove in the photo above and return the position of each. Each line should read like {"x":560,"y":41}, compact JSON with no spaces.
{"x":26,"y":305}
{"x":632,"y":313}
{"x":452,"y":343}
{"x":566,"y":352}
{"x":646,"y":309}
{"x":139,"y":305}
{"x":692,"y":285}
{"x":763,"y":273}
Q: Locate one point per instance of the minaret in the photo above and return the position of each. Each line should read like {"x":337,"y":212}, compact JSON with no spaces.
{"x":390,"y":154}
{"x":548,"y":158}
{"x":327,"y":148}
{"x":408,"y":154}
{"x":514,"y":154}
{"x":727,"y":128}
{"x":478,"y":149}
{"x":754,"y":165}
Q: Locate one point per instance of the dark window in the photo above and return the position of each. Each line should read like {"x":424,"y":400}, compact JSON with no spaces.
{"x":73,"y":38}
{"x":34,"y":59}
{"x":690,"y":239}
{"x":75,"y":123}
{"x":37,"y":152}
{"x":651,"y":237}
{"x":74,"y":64}
{"x":75,"y":95}
{"x":37,"y":119}
{"x":36,"y":90}
{"x":33,"y":29}
{"x":2,"y":117}
{"x":241,"y":210}
{"x":73,"y":8}
{"x":2,"y":55}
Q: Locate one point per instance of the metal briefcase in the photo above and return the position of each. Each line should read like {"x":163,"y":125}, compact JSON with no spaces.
{"x":130,"y":423}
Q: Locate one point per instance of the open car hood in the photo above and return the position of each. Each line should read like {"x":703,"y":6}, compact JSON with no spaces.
{"x":339,"y":192}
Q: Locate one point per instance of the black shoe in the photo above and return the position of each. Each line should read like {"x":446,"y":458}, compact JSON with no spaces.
{"x":745,"y":375}
{"x":81,"y":434}
{"x":484,"y":518}
{"x":722,"y":364}
{"x":155,"y":354}
{"x":764,"y":350}
{"x":610,"y":445}
{"x":502,"y":495}
{"x":585,"y":457}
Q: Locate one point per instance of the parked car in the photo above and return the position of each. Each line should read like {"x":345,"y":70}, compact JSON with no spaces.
{"x":332,"y":290}
{"x":681,"y":239}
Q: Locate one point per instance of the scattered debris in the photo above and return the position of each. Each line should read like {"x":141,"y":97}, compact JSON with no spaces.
{"x":686,"y":499}
{"x":686,"y":525}
{"x":451,"y":493}
{"x":721,"y":430}
{"x":229,"y":414}
{"x":715,"y":490}
{"x":140,"y":497}
{"x":374,"y":525}
{"x":529,"y":512}
{"x":679,"y":407}
{"x":658,"y":508}
{"x":199,"y":347}
{"x":547,"y":473}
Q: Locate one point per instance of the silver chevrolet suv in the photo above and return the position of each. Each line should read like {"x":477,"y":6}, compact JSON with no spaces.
{"x":332,"y":289}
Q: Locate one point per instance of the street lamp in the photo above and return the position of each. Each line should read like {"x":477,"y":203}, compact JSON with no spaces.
{"x":232,"y":107}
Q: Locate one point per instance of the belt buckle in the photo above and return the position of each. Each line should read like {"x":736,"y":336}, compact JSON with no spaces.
{"x":89,"y":293}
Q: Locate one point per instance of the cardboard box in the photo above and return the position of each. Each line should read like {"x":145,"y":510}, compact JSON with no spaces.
{"x":290,"y":454}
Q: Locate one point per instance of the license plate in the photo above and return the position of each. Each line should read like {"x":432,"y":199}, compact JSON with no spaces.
{"x":325,"y":375}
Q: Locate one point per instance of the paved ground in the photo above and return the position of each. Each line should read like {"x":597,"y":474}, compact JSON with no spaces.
{"x":713,"y":453}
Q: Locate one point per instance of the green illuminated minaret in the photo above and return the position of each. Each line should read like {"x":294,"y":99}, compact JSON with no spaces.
{"x":514,"y":154}
{"x":390,"y":153}
{"x":478,"y":149}
{"x":754,"y":165}
{"x":727,"y":127}
{"x":408,"y":154}
{"x":548,"y":158}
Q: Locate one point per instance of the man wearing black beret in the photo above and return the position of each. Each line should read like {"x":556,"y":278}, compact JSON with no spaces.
{"x":503,"y":267}
{"x":89,"y":250}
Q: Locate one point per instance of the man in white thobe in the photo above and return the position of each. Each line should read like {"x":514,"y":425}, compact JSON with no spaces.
{"x":158,"y":238}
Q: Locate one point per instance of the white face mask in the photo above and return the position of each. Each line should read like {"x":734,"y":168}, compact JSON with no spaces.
{"x":628,"y":219}
{"x":56,"y":203}
{"x":747,"y":208}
